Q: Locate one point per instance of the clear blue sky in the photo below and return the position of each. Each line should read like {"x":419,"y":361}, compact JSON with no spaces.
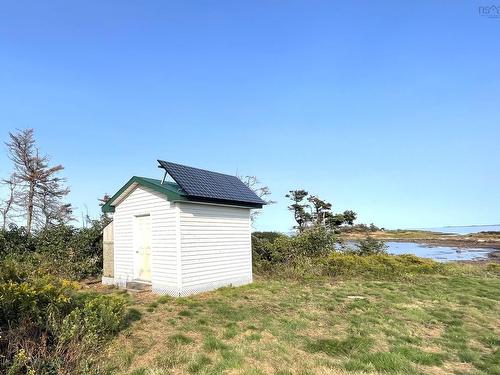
{"x":389,"y":108}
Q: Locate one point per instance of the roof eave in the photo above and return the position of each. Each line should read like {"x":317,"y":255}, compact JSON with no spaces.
{"x":225,"y":202}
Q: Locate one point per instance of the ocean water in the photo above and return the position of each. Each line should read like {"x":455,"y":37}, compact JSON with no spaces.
{"x":444,"y":253}
{"x":438,"y":253}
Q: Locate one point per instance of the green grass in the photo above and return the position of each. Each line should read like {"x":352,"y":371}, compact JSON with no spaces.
{"x":212,"y":343}
{"x":384,"y":362}
{"x":200,"y":362}
{"x":335,"y":347}
{"x":429,"y":324}
{"x":179,"y":338}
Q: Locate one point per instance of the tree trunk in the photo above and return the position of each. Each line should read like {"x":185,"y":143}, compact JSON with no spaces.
{"x":9,"y":202}
{"x":29,"y":218}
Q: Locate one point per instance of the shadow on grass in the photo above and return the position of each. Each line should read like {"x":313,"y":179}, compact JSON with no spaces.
{"x":133,"y":315}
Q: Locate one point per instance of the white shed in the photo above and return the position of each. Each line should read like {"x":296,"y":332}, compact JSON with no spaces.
{"x":182,"y":237}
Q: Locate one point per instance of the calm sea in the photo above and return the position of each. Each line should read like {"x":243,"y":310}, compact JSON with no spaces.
{"x":439,"y":253}
{"x":445,"y":253}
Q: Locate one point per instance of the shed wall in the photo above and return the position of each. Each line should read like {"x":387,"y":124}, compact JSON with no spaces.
{"x":143,"y":201}
{"x":108,"y":252}
{"x":215,"y":247}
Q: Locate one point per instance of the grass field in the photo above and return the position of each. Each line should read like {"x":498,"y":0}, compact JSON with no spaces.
{"x":432,"y":325}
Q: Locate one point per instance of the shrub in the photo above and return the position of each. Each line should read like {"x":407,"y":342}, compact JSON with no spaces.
{"x":269,"y":236}
{"x":48,"y":326}
{"x":41,"y":301}
{"x":262,"y":245}
{"x":95,"y":321}
{"x":314,"y":242}
{"x":279,"y":248}
{"x":493,"y":268}
{"x":77,"y":253}
{"x":379,"y":265}
{"x":369,"y":246}
{"x":65,"y":251}
{"x":15,"y":240}
{"x":12,"y":269}
{"x":299,"y":268}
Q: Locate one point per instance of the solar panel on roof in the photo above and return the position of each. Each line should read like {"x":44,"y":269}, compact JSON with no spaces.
{"x":200,"y":183}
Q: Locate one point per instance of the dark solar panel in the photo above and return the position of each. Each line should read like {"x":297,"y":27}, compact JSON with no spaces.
{"x":210,"y":185}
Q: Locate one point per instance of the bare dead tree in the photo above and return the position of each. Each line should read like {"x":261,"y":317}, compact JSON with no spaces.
{"x":38,"y":182}
{"x":7,"y":205}
{"x":104,"y":199}
{"x":86,"y":219}
{"x":262,"y":191}
{"x":53,"y":211}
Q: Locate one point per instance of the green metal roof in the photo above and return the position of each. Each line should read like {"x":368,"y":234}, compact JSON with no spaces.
{"x":170,"y":189}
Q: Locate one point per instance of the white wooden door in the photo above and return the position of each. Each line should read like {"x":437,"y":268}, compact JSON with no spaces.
{"x":143,"y":248}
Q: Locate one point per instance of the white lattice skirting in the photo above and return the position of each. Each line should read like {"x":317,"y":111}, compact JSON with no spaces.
{"x":108,"y":280}
{"x":175,"y":292}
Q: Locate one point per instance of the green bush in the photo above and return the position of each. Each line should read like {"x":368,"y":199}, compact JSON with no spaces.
{"x":314,"y":242}
{"x":47,"y":326}
{"x":96,"y":320}
{"x":298,"y":268}
{"x":76,"y":252}
{"x":269,"y":236}
{"x":12,"y":268}
{"x":65,"y":251}
{"x":41,"y":301}
{"x":493,"y":268}
{"x":15,"y":240}
{"x":379,"y":265}
{"x":279,"y":248}
{"x":369,"y":246}
{"x":262,"y":245}
{"x":312,"y":253}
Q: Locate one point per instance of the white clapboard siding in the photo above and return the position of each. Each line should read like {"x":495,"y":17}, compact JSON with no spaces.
{"x":215,"y":247}
{"x":143,"y":201}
